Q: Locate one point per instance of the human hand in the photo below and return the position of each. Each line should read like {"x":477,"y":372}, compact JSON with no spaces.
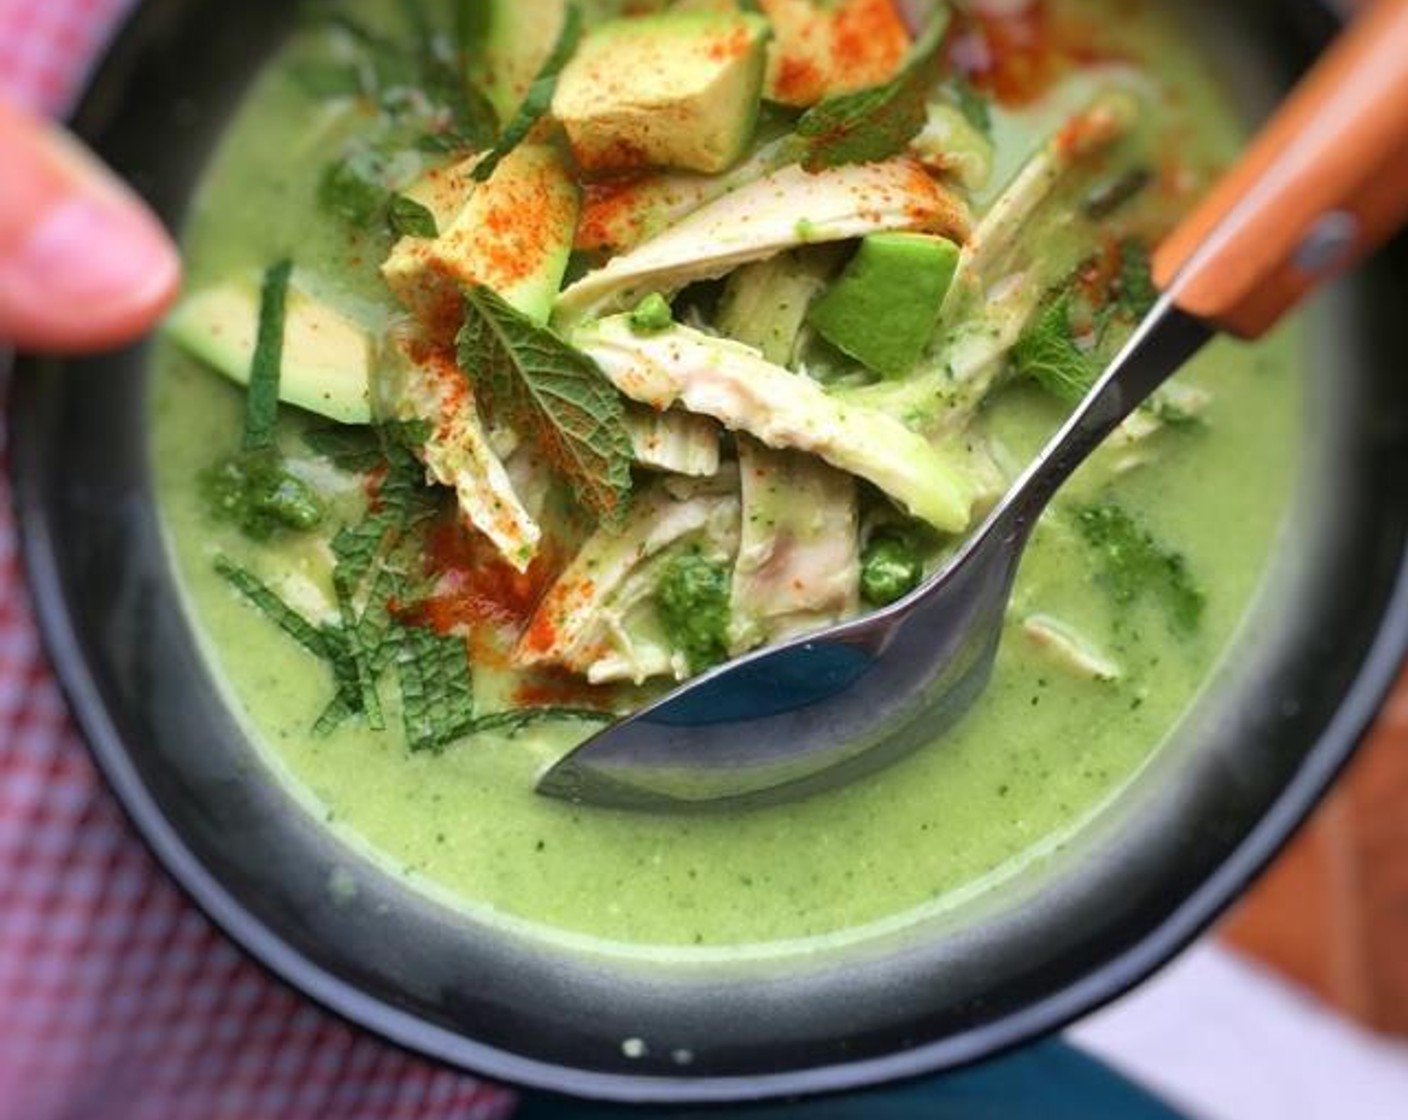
{"x":83,"y":264}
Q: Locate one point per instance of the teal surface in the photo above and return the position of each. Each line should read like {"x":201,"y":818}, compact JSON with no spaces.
{"x":1049,"y":1081}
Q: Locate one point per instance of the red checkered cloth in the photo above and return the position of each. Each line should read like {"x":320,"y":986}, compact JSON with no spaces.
{"x":118,"y":999}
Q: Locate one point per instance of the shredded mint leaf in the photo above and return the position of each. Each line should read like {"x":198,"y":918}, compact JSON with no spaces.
{"x":523,"y":718}
{"x":437,"y":690}
{"x":408,"y":218}
{"x":540,"y":94}
{"x":555,"y":394}
{"x":300,"y":629}
{"x":693,"y":604}
{"x":876,"y":123}
{"x":1133,"y":565}
{"x":354,"y":450}
{"x":1048,"y":355}
{"x":369,"y":700}
{"x":262,"y":404}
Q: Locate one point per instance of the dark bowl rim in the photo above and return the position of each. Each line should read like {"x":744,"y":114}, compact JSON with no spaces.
{"x":59,"y":629}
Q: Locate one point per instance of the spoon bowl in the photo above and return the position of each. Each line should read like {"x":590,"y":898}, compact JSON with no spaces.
{"x":828,"y":708}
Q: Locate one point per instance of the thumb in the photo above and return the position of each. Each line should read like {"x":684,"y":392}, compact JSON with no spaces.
{"x":83,"y":264}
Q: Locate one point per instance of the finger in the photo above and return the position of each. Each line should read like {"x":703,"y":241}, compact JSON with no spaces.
{"x":84,"y":265}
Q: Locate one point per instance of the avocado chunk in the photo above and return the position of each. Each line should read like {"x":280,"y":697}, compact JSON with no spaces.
{"x":679,"y":90}
{"x":514,"y":235}
{"x":518,"y":36}
{"x":827,"y":49}
{"x":821,"y":48}
{"x":884,"y":309}
{"x":327,"y":360}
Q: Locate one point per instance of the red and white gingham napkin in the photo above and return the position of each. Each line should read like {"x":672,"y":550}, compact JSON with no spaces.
{"x":118,"y":999}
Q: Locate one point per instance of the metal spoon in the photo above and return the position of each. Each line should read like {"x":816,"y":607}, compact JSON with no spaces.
{"x":1325,"y":183}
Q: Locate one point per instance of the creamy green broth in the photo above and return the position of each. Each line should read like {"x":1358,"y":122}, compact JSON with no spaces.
{"x":1040,"y":753}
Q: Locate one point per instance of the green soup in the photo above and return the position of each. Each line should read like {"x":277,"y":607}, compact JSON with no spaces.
{"x":1049,"y":744}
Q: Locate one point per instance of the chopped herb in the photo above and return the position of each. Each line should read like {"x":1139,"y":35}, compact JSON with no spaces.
{"x":891,"y":566}
{"x":693,"y":603}
{"x":538,"y":100}
{"x":1134,"y":290}
{"x":1133,"y":565}
{"x":875,"y":123}
{"x":255,"y":491}
{"x":652,"y":315}
{"x":408,"y":218}
{"x":1048,"y":355}
{"x":546,"y":389}
{"x":1107,"y":197}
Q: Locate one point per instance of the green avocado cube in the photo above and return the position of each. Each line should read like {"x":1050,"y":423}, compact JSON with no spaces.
{"x":884,"y":309}
{"x":679,"y":90}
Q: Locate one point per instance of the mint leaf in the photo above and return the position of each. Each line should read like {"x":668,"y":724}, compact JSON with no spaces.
{"x":875,"y":123}
{"x":1048,"y":355}
{"x":408,"y":218}
{"x":552,"y":393}
{"x":538,"y":100}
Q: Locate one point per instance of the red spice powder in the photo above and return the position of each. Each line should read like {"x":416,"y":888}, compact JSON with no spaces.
{"x":561,"y":689}
{"x":610,"y":214}
{"x":475,"y":586}
{"x":1021,"y":53}
{"x":860,"y":43}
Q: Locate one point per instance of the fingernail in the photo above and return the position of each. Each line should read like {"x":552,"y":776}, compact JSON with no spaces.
{"x":92,"y":250}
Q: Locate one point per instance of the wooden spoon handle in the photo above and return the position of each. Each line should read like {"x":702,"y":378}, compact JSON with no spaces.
{"x":1324,"y":184}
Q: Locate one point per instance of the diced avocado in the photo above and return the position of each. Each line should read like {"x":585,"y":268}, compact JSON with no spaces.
{"x":745,"y":392}
{"x":885,"y":308}
{"x":518,"y":36}
{"x":514,"y":236}
{"x":327,"y":358}
{"x":822,"y":48}
{"x":680,"y":90}
{"x":826,"y":49}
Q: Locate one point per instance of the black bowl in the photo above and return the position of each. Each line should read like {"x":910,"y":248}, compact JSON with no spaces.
{"x":1313,"y":664}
